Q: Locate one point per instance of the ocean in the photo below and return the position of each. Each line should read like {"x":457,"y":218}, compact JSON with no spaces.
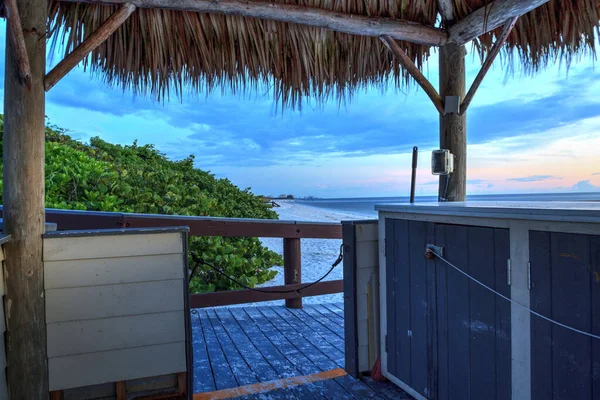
{"x":365,"y":206}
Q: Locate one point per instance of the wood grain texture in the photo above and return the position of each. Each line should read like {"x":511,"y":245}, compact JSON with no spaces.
{"x":17,"y":40}
{"x":86,"y":247}
{"x":292,"y":268}
{"x":302,"y":15}
{"x":508,"y":26}
{"x":112,"y":366}
{"x":412,"y":69}
{"x":453,"y":127}
{"x":110,"y":271}
{"x":74,"y":304}
{"x":23,"y":209}
{"x":89,"y":336}
{"x":490,"y":17}
{"x":94,"y":40}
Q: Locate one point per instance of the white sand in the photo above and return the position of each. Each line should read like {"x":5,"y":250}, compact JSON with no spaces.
{"x":317,"y":254}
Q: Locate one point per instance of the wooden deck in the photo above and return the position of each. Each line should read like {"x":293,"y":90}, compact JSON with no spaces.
{"x":276,"y":353}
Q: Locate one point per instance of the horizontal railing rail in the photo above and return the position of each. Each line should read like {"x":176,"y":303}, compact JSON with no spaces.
{"x":290,"y":231}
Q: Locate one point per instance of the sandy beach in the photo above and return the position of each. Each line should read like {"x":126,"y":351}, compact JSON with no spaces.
{"x":317,"y":254}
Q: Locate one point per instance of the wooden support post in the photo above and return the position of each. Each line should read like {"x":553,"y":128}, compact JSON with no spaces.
{"x":488,"y":63}
{"x":15,"y":33}
{"x":121,"y":390}
{"x":292,"y":267}
{"x":412,"y":69}
{"x":23,"y":212}
{"x":57,"y":395}
{"x":182,"y":383}
{"x":93,"y":41}
{"x":453,"y":126}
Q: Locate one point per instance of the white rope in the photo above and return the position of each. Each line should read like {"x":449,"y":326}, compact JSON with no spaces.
{"x":512,"y":301}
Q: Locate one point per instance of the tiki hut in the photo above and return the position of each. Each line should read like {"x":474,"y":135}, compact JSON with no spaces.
{"x":316,"y":48}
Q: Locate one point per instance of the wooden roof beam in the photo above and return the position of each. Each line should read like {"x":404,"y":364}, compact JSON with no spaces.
{"x":508,"y":26}
{"x":17,"y":40}
{"x":412,"y":69}
{"x":93,"y":41}
{"x":488,"y":18}
{"x":302,"y":15}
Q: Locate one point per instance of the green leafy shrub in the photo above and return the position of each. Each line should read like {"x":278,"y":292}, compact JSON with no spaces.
{"x":101,"y":176}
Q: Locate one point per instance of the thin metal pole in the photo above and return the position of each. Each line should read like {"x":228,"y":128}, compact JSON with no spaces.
{"x":413,"y":179}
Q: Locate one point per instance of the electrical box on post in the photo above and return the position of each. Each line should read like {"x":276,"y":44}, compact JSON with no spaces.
{"x":442,"y":162}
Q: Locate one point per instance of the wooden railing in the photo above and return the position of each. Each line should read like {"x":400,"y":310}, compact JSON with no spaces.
{"x":290,"y":231}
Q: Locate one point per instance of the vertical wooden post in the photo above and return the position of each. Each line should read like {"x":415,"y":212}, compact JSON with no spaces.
{"x":24,"y":107}
{"x":453,"y":126}
{"x":292,"y":267}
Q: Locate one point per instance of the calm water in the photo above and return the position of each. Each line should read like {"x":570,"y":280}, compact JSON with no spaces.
{"x":365,"y":206}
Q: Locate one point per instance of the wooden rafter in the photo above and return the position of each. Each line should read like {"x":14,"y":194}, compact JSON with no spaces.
{"x":446,"y":9}
{"x":508,"y":26}
{"x":302,"y":15}
{"x":412,"y":69}
{"x":17,"y":40}
{"x":93,"y":41}
{"x":490,"y":17}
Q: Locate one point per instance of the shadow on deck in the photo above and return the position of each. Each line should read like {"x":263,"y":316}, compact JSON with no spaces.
{"x":276,"y":353}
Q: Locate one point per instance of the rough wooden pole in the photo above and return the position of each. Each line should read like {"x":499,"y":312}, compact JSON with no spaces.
{"x":488,"y":63}
{"x":292,"y":267}
{"x":412,"y":69}
{"x":93,"y":41}
{"x":23,"y":213}
{"x":15,"y":33}
{"x":453,"y":126}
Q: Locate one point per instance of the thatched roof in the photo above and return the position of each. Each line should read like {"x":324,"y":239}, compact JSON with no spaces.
{"x":159,"y":51}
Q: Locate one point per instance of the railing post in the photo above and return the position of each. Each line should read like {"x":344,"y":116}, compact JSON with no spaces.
{"x":292,"y":267}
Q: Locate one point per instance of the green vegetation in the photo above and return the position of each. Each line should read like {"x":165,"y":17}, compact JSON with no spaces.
{"x":100,"y":176}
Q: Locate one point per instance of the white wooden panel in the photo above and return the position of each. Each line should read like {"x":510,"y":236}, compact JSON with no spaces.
{"x":73,"y":304}
{"x":116,"y":365}
{"x":366,"y":254}
{"x":76,"y":248}
{"x":77,"y":337}
{"x":106,"y":271}
{"x":366,"y":232}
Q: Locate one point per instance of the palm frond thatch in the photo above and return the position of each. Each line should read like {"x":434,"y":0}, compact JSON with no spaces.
{"x":159,"y":51}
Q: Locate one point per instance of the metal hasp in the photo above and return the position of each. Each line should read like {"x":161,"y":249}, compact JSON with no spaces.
{"x":431,"y":251}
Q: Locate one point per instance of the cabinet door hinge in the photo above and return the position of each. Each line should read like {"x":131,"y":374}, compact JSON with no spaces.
{"x":508,"y":272}
{"x":385,"y":247}
{"x":529,"y":275}
{"x":386,"y":344}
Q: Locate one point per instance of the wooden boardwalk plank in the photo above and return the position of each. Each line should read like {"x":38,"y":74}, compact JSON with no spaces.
{"x":334,"y":307}
{"x":280,"y":363}
{"x":224,"y":378}
{"x":310,"y":329}
{"x":334,"y":317}
{"x":203,"y":378}
{"x":313,"y":326}
{"x":240,"y":368}
{"x":259,"y":364}
{"x":317,"y":316}
{"x":328,"y":388}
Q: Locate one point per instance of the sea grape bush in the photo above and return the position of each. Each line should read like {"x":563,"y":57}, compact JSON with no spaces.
{"x":101,"y":176}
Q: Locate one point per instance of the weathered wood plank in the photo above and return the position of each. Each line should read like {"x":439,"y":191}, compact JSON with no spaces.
{"x":338,"y":329}
{"x":391,"y":318}
{"x":93,"y":41}
{"x":203,"y":376}
{"x":441,"y":272}
{"x":399,"y":304}
{"x":333,"y":317}
{"x":241,"y":370}
{"x":107,"y":301}
{"x":490,"y":17}
{"x":88,"y":336}
{"x":114,"y":270}
{"x":111,"y":366}
{"x":595,"y":305}
{"x":503,"y":318}
{"x":80,"y":248}
{"x":302,"y":15}
{"x":224,"y":378}
{"x":248,"y":350}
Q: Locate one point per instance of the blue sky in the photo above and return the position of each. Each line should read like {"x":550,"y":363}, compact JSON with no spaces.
{"x":525,"y":134}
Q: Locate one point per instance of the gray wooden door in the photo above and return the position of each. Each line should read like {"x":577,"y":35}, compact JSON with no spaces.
{"x":565,"y":278}
{"x":448,"y":337}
